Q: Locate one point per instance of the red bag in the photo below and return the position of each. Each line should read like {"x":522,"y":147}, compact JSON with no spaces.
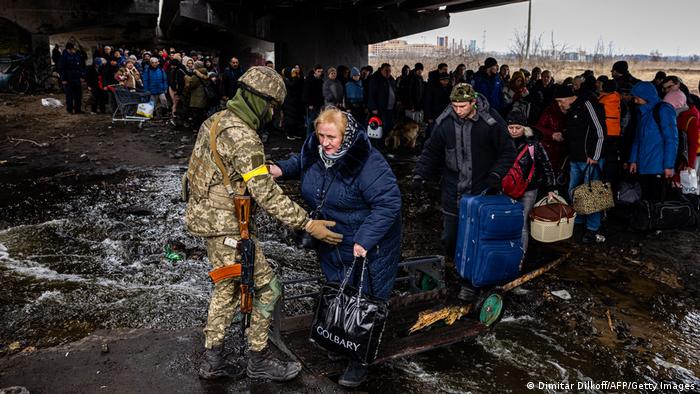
{"x":514,"y":183}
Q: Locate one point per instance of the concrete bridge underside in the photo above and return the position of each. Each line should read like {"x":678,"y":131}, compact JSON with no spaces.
{"x":304,"y":32}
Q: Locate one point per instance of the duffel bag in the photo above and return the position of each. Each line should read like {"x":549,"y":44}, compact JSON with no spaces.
{"x":663,"y":215}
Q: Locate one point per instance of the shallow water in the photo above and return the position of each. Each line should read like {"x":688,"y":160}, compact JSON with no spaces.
{"x":79,"y":254}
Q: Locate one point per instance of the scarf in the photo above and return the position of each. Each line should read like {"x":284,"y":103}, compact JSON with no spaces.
{"x":348,"y":140}
{"x":252,"y":110}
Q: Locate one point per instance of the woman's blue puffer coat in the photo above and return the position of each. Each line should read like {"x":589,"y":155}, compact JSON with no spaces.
{"x":365,"y":202}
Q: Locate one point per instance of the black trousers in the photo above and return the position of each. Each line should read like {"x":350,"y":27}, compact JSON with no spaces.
{"x":74,"y":96}
{"x":654,"y":187}
{"x":99,"y":100}
{"x":449,"y":235}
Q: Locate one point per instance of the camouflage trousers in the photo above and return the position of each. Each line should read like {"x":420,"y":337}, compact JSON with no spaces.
{"x":224,"y":303}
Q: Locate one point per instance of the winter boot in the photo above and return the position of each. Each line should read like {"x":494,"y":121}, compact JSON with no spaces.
{"x":592,"y":237}
{"x":355,"y":374}
{"x":214,"y":365}
{"x":264,"y":365}
{"x":467,"y":293}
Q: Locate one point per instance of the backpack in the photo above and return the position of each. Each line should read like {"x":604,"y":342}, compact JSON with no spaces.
{"x":514,"y":183}
{"x":682,"y":152}
{"x":209,"y":91}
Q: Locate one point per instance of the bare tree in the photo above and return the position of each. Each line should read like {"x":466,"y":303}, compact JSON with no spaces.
{"x":599,"y":52}
{"x":519,"y":46}
{"x":656,"y":55}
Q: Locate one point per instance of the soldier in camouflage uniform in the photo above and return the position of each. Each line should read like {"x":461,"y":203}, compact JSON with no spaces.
{"x":228,"y":144}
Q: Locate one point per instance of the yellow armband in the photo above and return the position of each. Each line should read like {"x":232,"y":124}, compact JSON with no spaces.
{"x":262,"y":170}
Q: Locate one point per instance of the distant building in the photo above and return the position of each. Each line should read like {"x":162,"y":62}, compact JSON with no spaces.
{"x":472,"y":46}
{"x":400,"y":48}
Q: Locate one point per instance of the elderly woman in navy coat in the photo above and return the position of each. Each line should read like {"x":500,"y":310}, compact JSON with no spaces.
{"x":361,"y":196}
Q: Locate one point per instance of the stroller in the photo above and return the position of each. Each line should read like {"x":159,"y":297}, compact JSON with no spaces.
{"x":131,"y":106}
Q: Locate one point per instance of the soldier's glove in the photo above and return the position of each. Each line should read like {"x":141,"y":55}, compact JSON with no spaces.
{"x":319,"y":230}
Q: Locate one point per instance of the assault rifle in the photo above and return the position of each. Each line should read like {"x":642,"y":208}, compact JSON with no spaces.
{"x":246,"y":249}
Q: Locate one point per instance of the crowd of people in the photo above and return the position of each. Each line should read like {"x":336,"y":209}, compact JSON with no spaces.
{"x":478,"y":126}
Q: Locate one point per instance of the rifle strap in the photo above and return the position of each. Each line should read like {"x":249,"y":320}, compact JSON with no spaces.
{"x":213,"y":135}
{"x":225,"y":272}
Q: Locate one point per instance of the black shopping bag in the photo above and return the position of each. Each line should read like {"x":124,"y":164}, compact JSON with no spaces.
{"x":348,"y":322}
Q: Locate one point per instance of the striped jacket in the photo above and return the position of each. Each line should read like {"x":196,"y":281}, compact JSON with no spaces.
{"x":585,"y":129}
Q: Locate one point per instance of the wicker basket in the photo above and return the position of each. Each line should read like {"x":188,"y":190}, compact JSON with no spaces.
{"x":552,"y":221}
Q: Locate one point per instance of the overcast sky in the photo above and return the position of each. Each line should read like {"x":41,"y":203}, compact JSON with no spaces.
{"x":634,"y":26}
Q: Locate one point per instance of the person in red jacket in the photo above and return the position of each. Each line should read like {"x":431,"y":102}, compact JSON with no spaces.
{"x":551,"y":124}
{"x":688,"y":122}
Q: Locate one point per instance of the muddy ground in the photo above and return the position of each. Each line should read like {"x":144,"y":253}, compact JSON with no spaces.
{"x":633,"y":311}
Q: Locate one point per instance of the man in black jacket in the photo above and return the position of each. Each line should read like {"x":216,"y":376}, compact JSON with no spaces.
{"x":436,"y":99}
{"x":312,"y":95}
{"x":585,"y":133}
{"x":471,"y":151}
{"x":229,"y":78}
{"x":72,"y":72}
{"x":176,"y":83}
{"x":382,"y":96}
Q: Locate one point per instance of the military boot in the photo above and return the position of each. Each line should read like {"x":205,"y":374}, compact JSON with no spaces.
{"x":214,"y":365}
{"x":264,"y":365}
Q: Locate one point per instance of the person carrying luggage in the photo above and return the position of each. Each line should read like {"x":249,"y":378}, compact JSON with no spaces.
{"x":471,"y":151}
{"x":347,"y":181}
{"x":585,"y":133}
{"x":531,"y":153}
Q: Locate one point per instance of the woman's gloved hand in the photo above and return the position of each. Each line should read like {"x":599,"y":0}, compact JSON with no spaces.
{"x":319,"y":230}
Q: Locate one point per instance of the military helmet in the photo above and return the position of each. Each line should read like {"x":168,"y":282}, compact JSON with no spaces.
{"x":463,"y":92}
{"x":264,"y":82}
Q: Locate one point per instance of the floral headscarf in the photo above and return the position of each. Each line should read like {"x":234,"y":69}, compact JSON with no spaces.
{"x":348,"y":139}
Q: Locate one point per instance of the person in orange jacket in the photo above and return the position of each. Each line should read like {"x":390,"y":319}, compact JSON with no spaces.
{"x":610,"y":99}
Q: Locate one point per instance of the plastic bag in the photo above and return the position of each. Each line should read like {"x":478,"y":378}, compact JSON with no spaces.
{"x":145,"y":110}
{"x":689,"y":182}
{"x":51,"y":102}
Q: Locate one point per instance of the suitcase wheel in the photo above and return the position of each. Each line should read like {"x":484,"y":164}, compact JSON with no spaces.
{"x":490,"y":308}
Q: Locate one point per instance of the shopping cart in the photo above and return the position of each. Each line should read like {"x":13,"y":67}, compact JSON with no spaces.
{"x":127,"y":103}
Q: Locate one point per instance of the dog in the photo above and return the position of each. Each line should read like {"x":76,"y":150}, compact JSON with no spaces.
{"x":404,"y":133}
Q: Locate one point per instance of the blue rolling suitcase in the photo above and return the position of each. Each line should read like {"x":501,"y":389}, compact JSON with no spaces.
{"x":489,"y":243}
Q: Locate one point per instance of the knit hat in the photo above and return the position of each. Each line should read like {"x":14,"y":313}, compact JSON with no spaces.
{"x":621,"y":67}
{"x":564,"y":91}
{"x":490,"y":62}
{"x":199,"y":64}
{"x":354,"y":72}
{"x":517,"y":117}
{"x":463,"y":92}
{"x":676,"y":98}
{"x":133,"y":58}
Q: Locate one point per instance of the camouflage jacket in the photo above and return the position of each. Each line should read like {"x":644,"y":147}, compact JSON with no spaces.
{"x":210,"y":211}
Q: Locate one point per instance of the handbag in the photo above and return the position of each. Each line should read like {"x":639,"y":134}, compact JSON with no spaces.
{"x":629,"y":192}
{"x":349,"y":322}
{"x":592,"y":196}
